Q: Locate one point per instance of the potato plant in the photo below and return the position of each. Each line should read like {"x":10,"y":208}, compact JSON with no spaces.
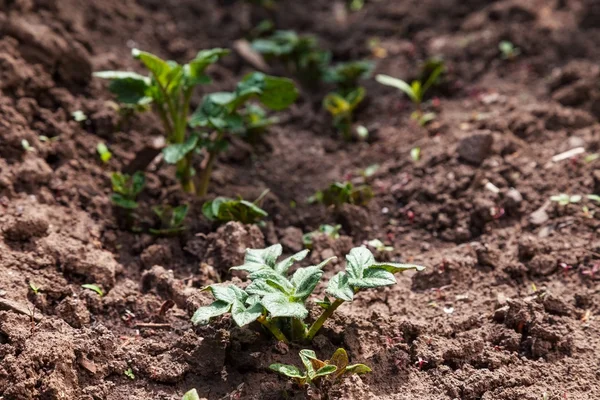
{"x":332,"y":231}
{"x":300,"y":54}
{"x":342,"y":102}
{"x":278,"y":300}
{"x":224,"y":209}
{"x":168,"y":90}
{"x":316,"y":370}
{"x":126,"y":188}
{"x":171,"y":219}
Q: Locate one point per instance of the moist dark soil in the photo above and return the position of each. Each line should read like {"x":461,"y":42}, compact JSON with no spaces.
{"x":508,"y":305}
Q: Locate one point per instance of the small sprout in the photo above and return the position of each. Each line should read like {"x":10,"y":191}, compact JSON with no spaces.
{"x":26,"y":146}
{"x":508,"y":50}
{"x":379,"y":245}
{"x":191,"y":395}
{"x":46,"y":139}
{"x":563,"y":199}
{"x":79,"y":116}
{"x":587,"y":213}
{"x":341,"y":107}
{"x":333,"y":231}
{"x":35,"y":289}
{"x":224,"y":209}
{"x":343,"y":193}
{"x":423,"y":118}
{"x":316,"y":370}
{"x":415,"y":153}
{"x":105,"y":154}
{"x":93,"y":287}
{"x":171,"y":219}
{"x":126,"y":189}
{"x":129,"y":373}
{"x":278,"y":300}
{"x":416,"y":90}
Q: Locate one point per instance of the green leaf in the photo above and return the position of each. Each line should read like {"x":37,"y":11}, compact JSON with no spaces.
{"x":279,"y":305}
{"x":372,"y":278}
{"x":157,"y":66}
{"x":224,"y":209}
{"x":305,"y":280}
{"x":398,"y":84}
{"x":339,"y":287}
{"x":358,"y":260}
{"x":358,"y":369}
{"x":203,"y":315}
{"x":396,"y":267}
{"x":283,"y":266}
{"x":242,"y":315}
{"x":120,"y":201}
{"x":176,"y":152}
{"x":288,"y":370}
{"x":223,"y":293}
{"x":194,"y":71}
{"x":261,"y":287}
{"x":114,"y":75}
{"x":257,"y":259}
{"x":323,"y":371}
{"x":179,"y":214}
{"x":274,"y":92}
{"x":138,"y":181}
{"x":131,"y":91}
{"x":273,"y":279}
{"x":191,"y":395}
{"x":94,"y":287}
{"x":307,"y":356}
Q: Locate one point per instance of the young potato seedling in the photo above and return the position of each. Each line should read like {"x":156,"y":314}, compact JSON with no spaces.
{"x":343,"y":193}
{"x":278,"y":300}
{"x":379,"y":245}
{"x":34,"y":288}
{"x":316,"y":371}
{"x":347,"y":75}
{"x":126,"y":188}
{"x":333,"y":231}
{"x":224,"y":209}
{"x":220,"y":114}
{"x":416,"y":90}
{"x":341,"y":107}
{"x":171,"y":219}
{"x":168,"y":90}
{"x":342,"y":103}
{"x":301,"y":54}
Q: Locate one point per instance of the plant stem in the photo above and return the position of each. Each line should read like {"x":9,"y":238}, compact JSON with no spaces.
{"x":272,"y":328}
{"x":319,"y":322}
{"x":207,"y":171}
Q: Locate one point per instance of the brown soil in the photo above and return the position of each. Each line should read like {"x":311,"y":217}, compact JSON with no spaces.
{"x":495,"y":315}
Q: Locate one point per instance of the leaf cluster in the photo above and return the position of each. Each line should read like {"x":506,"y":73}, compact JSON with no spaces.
{"x":171,"y":219}
{"x":301,"y":53}
{"x":341,"y":107}
{"x":316,"y":370}
{"x":126,"y":188}
{"x":277,"y":298}
{"x":224,"y":209}
{"x":339,"y":193}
